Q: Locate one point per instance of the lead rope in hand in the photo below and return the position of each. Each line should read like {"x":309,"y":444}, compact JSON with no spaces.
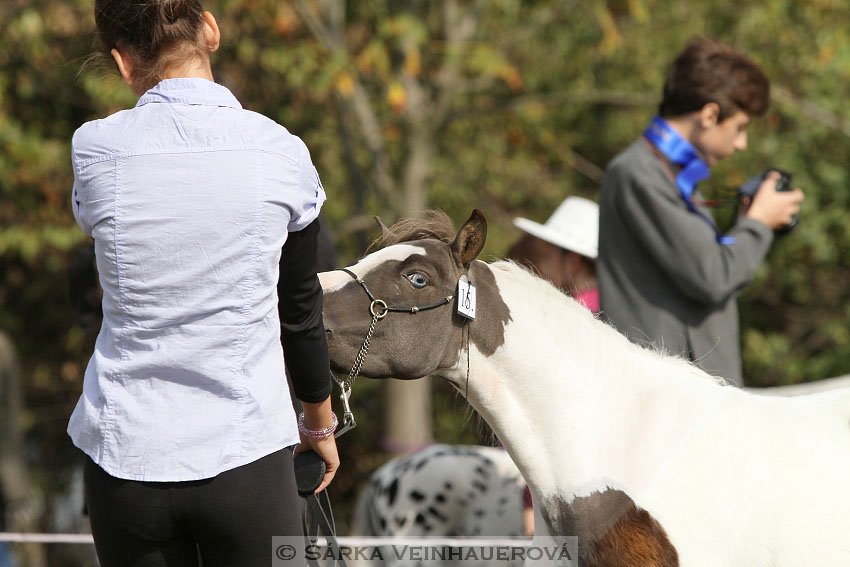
{"x":318,"y":515}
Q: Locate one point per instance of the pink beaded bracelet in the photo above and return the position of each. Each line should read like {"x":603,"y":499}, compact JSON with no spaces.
{"x":317,"y":433}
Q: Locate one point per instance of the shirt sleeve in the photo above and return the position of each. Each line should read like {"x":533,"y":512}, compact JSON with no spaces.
{"x":302,"y":330}
{"x":683,"y":244}
{"x":78,"y":204}
{"x":310,"y":195}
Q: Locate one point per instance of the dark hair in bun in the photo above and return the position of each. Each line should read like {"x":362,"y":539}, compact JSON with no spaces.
{"x":155,"y":33}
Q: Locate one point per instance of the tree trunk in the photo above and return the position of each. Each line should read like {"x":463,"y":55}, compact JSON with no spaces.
{"x":408,"y":424}
{"x":429,"y":102}
{"x":409,"y":417}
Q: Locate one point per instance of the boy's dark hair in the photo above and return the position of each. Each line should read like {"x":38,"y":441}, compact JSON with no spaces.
{"x":155,"y":33}
{"x":710,"y":71}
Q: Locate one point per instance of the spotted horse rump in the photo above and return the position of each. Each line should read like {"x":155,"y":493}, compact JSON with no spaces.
{"x":444,"y":490}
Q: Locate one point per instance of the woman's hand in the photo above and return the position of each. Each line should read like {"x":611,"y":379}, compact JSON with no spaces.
{"x":318,"y":416}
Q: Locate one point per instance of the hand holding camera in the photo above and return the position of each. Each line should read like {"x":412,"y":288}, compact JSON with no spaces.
{"x":769,"y":198}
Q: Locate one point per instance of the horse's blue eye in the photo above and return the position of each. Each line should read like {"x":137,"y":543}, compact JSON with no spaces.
{"x":418,"y":279}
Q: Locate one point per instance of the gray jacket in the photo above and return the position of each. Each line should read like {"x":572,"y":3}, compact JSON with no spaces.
{"x":663,"y":278}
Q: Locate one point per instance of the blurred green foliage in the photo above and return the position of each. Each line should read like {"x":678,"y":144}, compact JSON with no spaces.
{"x":543,"y":94}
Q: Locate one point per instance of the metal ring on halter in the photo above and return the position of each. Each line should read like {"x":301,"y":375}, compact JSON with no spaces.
{"x":379,"y":309}
{"x":382,"y":304}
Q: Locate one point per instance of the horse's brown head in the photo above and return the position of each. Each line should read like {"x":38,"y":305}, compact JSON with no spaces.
{"x":419,"y":267}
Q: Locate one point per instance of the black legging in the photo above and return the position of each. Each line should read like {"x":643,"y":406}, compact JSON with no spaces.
{"x":227,"y":520}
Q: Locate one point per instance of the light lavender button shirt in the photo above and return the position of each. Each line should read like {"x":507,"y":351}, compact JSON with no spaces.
{"x":189,"y":199}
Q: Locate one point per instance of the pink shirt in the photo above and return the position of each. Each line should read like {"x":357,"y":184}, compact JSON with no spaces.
{"x":590,"y":299}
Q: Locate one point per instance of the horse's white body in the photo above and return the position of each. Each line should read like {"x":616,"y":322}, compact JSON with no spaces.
{"x":805,"y":388}
{"x":734,"y":478}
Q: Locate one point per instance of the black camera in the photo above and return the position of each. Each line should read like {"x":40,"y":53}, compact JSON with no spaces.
{"x":751,"y":187}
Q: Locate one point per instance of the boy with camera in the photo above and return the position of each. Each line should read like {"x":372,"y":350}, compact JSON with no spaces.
{"x":667,"y":276}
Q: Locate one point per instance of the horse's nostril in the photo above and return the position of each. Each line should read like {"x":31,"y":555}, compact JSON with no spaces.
{"x":328,"y":333}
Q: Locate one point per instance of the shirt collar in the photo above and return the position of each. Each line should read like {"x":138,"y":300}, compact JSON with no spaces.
{"x":190,"y":91}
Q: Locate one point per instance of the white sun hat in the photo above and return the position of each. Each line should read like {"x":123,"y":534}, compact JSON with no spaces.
{"x":574,"y":226}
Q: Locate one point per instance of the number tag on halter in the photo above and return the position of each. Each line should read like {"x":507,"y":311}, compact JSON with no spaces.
{"x":465,"y":298}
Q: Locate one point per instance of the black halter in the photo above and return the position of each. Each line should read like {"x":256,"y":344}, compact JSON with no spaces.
{"x":379,"y":308}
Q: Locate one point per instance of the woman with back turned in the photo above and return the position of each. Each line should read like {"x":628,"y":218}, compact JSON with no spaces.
{"x":185,"y":416}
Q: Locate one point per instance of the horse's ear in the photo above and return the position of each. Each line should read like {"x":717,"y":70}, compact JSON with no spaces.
{"x":384,"y":229}
{"x":469,"y":241}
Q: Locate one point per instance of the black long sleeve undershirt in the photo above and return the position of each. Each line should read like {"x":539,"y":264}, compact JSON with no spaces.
{"x":302,"y":330}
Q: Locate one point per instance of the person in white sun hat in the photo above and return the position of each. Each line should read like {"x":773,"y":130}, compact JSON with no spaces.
{"x":563,"y":250}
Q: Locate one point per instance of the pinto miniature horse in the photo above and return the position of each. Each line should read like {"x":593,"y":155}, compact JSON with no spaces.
{"x":644,"y":457}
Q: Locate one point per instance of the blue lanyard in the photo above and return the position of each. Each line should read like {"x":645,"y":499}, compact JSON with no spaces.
{"x":678,"y":150}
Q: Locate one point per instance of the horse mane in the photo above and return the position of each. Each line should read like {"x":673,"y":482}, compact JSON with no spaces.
{"x":435,"y":224}
{"x":541,"y":288}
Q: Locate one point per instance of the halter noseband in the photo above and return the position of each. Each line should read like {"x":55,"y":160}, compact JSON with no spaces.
{"x":378,"y":308}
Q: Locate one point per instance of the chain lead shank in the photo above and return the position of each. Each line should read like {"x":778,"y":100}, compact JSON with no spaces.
{"x":379,"y":309}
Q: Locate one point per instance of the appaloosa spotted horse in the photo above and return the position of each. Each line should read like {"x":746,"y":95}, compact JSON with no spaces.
{"x":443,"y":490}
